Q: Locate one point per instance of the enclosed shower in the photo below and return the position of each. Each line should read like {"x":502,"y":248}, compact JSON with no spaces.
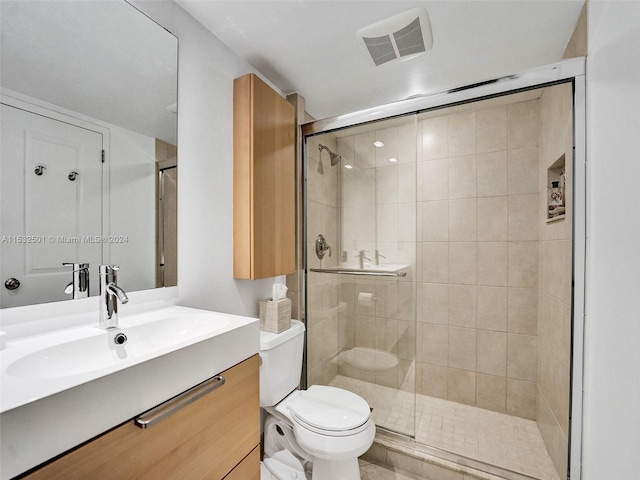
{"x":445,"y":299}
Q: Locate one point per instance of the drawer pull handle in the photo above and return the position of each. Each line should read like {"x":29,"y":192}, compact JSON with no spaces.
{"x":169,"y":407}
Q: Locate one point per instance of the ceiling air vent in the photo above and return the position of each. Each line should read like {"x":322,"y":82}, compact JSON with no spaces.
{"x":400,"y":37}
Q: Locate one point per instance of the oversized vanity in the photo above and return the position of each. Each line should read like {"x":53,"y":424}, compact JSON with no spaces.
{"x":76,"y":404}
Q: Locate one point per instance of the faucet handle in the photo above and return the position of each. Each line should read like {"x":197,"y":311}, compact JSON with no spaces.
{"x":108,"y":269}
{"x":76,"y":266}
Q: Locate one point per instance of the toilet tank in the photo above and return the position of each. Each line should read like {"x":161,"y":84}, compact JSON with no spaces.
{"x":280,"y":363}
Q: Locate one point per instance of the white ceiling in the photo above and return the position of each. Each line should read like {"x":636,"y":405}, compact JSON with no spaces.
{"x":310,"y":46}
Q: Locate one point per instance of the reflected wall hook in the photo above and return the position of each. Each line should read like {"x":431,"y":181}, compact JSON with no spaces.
{"x":72,"y":176}
{"x":39,"y":170}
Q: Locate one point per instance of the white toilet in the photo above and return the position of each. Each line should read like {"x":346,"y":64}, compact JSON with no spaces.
{"x":326,"y":428}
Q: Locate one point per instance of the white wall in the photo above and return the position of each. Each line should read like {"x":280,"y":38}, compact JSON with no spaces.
{"x":132,"y":208}
{"x":612,"y":327}
{"x":206,"y":69}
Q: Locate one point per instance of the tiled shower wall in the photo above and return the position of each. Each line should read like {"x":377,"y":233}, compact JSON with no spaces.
{"x":378,"y":216}
{"x":484,"y":261}
{"x":554,"y":319}
{"x":478,"y":208}
{"x":322,"y":289}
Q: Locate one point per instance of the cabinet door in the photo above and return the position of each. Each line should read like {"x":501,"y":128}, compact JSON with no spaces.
{"x":205,"y":439}
{"x":264,"y":181}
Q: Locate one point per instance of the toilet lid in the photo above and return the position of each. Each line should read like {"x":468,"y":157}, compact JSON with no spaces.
{"x":330,"y":408}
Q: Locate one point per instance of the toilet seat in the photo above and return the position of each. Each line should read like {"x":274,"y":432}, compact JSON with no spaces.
{"x":330,"y":411}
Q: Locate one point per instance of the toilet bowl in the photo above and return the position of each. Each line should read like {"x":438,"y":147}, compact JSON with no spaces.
{"x":324,"y":428}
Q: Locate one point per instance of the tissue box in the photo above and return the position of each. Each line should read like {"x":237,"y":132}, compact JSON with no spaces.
{"x":275,"y":316}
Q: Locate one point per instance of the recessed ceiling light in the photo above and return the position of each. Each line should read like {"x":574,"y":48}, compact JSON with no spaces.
{"x":378,"y":144}
{"x":348,"y":166}
{"x":393,"y":160}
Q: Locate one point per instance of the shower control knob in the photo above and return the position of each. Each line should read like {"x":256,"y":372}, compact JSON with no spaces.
{"x":12,"y":284}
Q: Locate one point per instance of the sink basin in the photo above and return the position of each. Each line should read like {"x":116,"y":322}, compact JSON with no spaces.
{"x":62,"y":388}
{"x":100,"y":352}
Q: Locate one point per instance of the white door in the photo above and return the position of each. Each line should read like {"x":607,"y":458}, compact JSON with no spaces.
{"x":47,"y":216}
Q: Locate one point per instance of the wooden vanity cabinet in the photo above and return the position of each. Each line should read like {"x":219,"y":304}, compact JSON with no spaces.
{"x":263,"y":181}
{"x":215,"y":437}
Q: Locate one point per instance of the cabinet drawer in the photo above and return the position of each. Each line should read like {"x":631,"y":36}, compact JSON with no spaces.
{"x":248,"y":469}
{"x":205,"y":439}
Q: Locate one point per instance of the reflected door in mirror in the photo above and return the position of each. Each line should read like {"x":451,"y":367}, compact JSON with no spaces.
{"x":51,"y":204}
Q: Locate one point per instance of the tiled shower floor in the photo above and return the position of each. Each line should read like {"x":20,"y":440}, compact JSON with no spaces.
{"x":494,"y":438}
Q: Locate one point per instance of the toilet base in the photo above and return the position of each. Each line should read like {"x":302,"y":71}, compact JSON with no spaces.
{"x":336,"y":470}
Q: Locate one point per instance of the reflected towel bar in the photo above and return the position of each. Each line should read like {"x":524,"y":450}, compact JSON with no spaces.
{"x":357,"y":271}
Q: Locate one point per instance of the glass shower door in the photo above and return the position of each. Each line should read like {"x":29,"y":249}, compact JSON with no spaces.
{"x":361,"y":300}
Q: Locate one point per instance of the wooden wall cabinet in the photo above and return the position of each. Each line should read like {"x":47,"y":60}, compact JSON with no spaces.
{"x":263,"y":181}
{"x":216,"y":437}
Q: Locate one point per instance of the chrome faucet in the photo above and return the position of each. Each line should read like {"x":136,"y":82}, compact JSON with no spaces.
{"x":362,"y":258}
{"x":78,"y":287}
{"x":110,"y":293}
{"x":378,"y":257}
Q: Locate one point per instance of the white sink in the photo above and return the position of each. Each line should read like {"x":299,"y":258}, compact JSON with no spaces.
{"x":99,"y":351}
{"x":62,"y":388}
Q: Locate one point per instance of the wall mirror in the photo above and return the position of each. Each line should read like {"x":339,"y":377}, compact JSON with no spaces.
{"x":88,"y":148}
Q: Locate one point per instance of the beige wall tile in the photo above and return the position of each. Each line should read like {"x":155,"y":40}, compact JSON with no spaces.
{"x":462,"y":177}
{"x":434,"y":347}
{"x":461,"y":386}
{"x":492,"y":129}
{"x":462,"y":348}
{"x":462,"y":133}
{"x":364,"y":150}
{"x":492,"y":219}
{"x":462,"y":220}
{"x":407,"y":301}
{"x":462,"y":305}
{"x":435,"y":221}
{"x":522,"y":120}
{"x":346,"y":332}
{"x":387,"y":335}
{"x":365,"y":331}
{"x":492,"y":308}
{"x":522,"y":170}
{"x":463,"y":263}
{"x":407,"y":141}
{"x":434,"y":180}
{"x":491,"y":392}
{"x":492,"y":353}
{"x":386,"y":302}
{"x":435,"y":303}
{"x":523,"y":264}
{"x":435,"y":262}
{"x":492,"y":263}
{"x":435,"y":138}
{"x":522,"y":357}
{"x":432,"y":380}
{"x":386,"y":224}
{"x":521,"y":398}
{"x":523,"y":311}
{"x":407,"y":182}
{"x":388,"y":136}
{"x":407,"y":338}
{"x":523,"y":217}
{"x":386,"y":184}
{"x":492,"y":173}
{"x":364,"y":307}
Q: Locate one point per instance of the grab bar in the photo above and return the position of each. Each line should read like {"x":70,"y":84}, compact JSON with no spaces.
{"x":177,"y":403}
{"x":357,"y":271}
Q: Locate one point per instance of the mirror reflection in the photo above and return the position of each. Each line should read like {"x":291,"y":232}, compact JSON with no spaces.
{"x":88,"y":149}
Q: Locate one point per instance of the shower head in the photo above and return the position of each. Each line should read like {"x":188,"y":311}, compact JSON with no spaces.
{"x":333,"y":157}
